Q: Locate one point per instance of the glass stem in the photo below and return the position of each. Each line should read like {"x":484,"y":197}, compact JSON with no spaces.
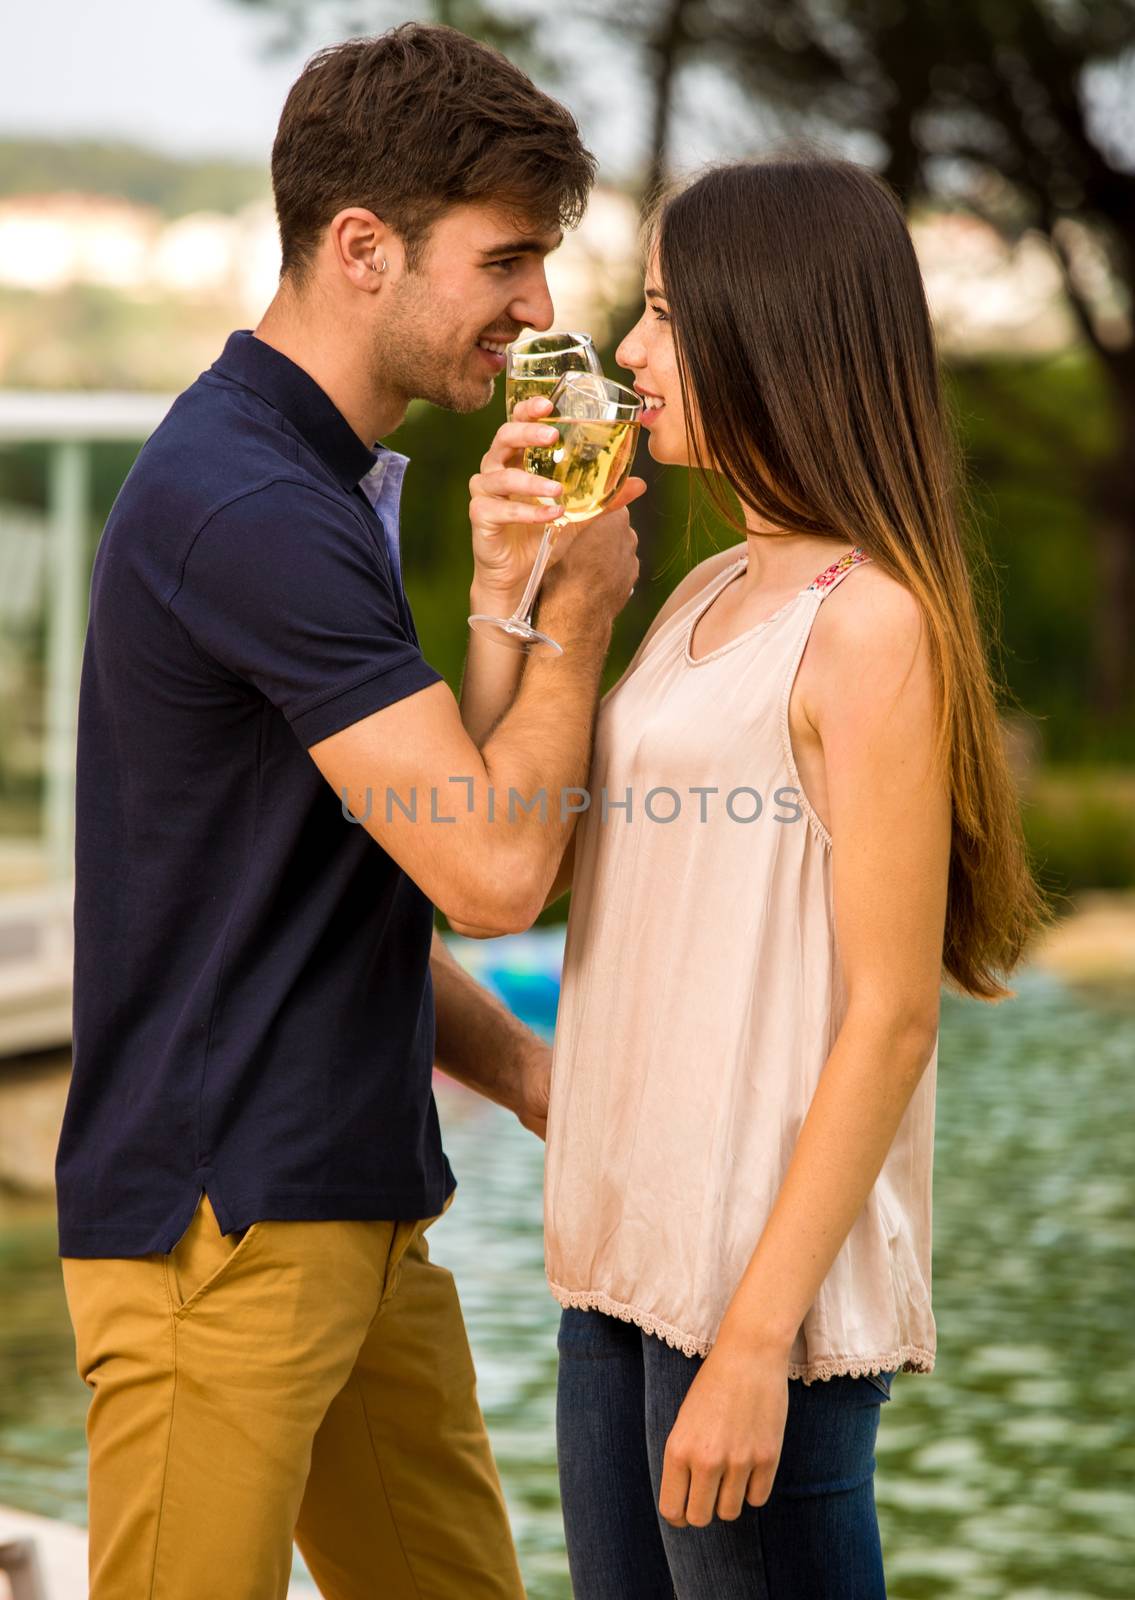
{"x":523,"y":612}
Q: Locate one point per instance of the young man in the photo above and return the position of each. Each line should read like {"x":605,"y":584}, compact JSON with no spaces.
{"x":250,"y":1154}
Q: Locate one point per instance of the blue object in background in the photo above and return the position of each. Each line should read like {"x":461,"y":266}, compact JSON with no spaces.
{"x":522,"y":969}
{"x":533,"y":996}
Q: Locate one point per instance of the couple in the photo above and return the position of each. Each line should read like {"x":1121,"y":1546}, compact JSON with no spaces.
{"x":740,"y":1122}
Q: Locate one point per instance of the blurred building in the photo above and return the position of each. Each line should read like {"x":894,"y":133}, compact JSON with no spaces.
{"x":987,"y":295}
{"x":53,"y":242}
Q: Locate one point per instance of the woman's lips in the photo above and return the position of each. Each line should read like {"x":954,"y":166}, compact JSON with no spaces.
{"x":649,"y":413}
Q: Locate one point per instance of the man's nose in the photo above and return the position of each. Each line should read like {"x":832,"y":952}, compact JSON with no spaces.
{"x":535,"y":309}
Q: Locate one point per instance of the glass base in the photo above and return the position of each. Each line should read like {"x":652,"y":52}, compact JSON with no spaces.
{"x":515,"y":635}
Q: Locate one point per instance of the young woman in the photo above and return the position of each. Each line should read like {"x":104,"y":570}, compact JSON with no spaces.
{"x":801,"y":821}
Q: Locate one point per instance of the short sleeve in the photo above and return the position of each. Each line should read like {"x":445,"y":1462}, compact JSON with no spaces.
{"x":290,"y":591}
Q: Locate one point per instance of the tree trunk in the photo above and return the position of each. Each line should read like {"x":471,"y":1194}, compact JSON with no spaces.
{"x":664,"y":51}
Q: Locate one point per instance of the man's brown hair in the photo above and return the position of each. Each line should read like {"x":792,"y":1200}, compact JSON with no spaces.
{"x":412,"y":122}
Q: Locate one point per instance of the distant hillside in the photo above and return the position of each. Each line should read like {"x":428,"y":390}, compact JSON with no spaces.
{"x":175,"y":186}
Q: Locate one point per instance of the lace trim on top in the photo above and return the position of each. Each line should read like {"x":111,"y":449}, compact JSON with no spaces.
{"x":907,"y":1358}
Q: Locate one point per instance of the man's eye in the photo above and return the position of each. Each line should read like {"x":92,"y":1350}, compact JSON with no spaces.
{"x":508,"y":263}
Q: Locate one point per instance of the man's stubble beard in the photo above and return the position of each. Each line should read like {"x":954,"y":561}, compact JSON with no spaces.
{"x":404,"y":358}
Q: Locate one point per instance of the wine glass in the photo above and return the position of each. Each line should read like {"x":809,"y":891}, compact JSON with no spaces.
{"x":535,"y":364}
{"x":598,"y":426}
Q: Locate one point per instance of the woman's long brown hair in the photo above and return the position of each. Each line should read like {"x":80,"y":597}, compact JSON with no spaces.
{"x":807,"y":364}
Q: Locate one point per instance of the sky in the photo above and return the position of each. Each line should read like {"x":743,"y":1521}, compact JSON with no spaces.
{"x":188,"y":76}
{"x":196,"y":77}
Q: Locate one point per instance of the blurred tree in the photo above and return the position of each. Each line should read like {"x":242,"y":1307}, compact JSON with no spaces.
{"x":1016,"y":109}
{"x":495,"y":24}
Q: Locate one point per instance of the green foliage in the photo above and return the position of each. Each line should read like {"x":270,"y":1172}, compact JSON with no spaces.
{"x":1080,"y":827}
{"x":1037,"y":434}
{"x":97,"y":167}
{"x":89,"y":336}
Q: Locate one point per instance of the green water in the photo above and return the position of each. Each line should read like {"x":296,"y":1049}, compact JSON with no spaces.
{"x":1007,"y":1474}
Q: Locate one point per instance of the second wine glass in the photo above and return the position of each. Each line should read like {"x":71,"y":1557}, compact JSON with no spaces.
{"x":536,"y":363}
{"x":598,"y":426}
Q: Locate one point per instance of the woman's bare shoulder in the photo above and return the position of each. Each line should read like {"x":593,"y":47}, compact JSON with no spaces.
{"x":868,"y":602}
{"x":870,"y":628}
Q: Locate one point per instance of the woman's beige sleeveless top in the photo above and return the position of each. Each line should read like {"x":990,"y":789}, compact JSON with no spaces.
{"x":701,"y":997}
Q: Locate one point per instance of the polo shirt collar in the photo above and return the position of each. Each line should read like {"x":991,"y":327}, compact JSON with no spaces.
{"x":277,"y":379}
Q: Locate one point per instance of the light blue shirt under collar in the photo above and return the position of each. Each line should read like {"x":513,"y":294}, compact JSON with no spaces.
{"x":382,"y":486}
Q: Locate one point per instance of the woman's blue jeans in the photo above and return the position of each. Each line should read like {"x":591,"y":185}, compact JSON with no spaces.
{"x":815,"y":1538}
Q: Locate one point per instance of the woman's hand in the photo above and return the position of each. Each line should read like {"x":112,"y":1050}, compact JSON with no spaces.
{"x":725,"y":1444}
{"x":507,"y":520}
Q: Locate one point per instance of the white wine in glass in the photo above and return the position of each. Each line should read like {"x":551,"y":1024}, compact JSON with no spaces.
{"x":598,"y":426}
{"x":591,"y":459}
{"x":535,"y":364}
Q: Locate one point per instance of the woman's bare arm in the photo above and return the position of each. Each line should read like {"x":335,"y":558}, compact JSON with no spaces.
{"x":890,"y":825}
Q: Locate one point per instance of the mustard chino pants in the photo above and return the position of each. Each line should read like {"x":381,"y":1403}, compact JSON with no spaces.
{"x":306,"y":1380}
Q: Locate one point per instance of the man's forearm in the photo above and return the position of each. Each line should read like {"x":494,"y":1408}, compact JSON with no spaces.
{"x":538,"y":754}
{"x":542,"y":746}
{"x":492,"y":673}
{"x":478,"y":1040}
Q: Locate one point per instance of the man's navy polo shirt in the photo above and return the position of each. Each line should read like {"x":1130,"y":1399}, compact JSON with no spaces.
{"x":253,"y":1008}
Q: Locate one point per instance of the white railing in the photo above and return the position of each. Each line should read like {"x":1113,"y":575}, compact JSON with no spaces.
{"x":69,"y":423}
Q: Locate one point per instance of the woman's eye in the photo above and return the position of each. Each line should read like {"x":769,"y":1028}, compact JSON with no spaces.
{"x":659,"y":314}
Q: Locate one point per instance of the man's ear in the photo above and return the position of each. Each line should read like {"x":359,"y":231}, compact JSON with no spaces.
{"x":363,"y":248}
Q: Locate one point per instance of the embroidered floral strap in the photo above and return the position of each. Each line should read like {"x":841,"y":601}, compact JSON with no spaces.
{"x":836,"y":571}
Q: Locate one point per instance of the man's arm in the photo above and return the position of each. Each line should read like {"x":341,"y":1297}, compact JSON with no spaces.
{"x":491,"y":679}
{"x":482,"y":832}
{"x":481,"y":1044}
